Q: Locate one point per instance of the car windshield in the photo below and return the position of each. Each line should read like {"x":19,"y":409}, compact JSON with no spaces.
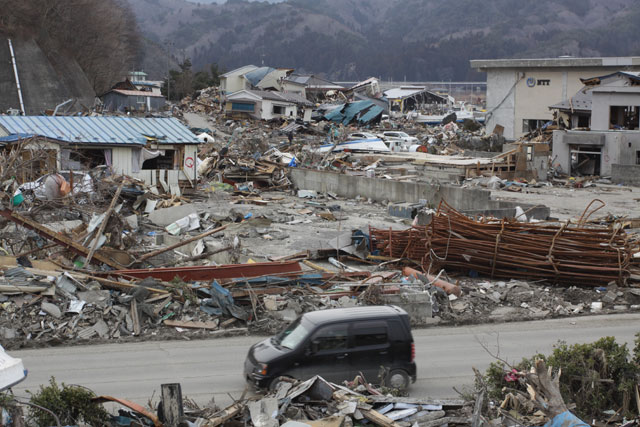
{"x":402,"y":134}
{"x":292,"y":336}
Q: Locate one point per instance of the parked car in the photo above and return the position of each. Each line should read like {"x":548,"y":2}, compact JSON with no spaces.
{"x":337,"y":344}
{"x":399,"y":141}
{"x":361,"y":135}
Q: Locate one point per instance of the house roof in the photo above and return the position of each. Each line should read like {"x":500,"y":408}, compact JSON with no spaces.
{"x":242,"y":70}
{"x":408,"y":91}
{"x":561,"y":62}
{"x":634,"y":76}
{"x":290,"y":97}
{"x":581,"y":101}
{"x":314,"y":82}
{"x":152,"y":83}
{"x":254,"y":77}
{"x":100,"y":130}
{"x":136,"y":93}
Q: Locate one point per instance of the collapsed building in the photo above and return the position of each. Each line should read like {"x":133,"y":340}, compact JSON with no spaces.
{"x":606,"y":138}
{"x":154,"y":150}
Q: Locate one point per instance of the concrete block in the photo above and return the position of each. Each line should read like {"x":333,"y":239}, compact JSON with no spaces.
{"x":166,"y":216}
{"x":168,"y":240}
{"x":403,"y":210}
{"x":418,"y":306}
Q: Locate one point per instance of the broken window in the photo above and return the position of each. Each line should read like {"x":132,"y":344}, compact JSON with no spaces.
{"x":165,"y":161}
{"x":585,"y":160}
{"x":81,"y":159}
{"x":278,"y":109}
{"x":243,"y":106}
{"x":624,"y":117}
{"x":583,"y":121}
{"x":529,"y":125}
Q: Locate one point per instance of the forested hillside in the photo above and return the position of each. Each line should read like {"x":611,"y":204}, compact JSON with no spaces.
{"x":100,"y":35}
{"x":412,"y":39}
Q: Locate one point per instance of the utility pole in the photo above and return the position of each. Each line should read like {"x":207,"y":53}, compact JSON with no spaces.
{"x":168,"y":43}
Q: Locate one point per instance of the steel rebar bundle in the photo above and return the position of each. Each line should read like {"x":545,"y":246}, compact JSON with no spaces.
{"x":558,"y":253}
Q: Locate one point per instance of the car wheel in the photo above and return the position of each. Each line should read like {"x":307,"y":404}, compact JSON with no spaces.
{"x":398,"y":379}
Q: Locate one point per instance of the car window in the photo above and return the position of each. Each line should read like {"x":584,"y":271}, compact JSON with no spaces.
{"x":293,"y":335}
{"x":370,"y":333}
{"x":330,"y":338}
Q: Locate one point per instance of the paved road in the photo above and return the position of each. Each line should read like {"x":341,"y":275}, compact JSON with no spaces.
{"x":214,"y":367}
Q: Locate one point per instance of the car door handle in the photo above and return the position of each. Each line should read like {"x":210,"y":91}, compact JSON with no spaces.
{"x":383,"y":352}
{"x":342,"y":356}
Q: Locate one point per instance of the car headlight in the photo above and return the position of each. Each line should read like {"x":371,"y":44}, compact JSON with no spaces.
{"x":261,"y":369}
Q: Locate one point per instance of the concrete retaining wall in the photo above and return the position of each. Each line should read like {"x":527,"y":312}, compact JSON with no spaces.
{"x":386,"y":189}
{"x":474,"y":200}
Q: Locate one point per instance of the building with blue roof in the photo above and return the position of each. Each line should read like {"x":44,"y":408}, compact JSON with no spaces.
{"x":155,"y":150}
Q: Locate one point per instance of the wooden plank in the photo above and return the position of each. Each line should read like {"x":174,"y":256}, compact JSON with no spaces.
{"x":378,"y":419}
{"x":59,"y":238}
{"x":226,"y":414}
{"x":96,"y":238}
{"x":135,"y":318}
{"x":172,"y":407}
{"x":211,"y":325}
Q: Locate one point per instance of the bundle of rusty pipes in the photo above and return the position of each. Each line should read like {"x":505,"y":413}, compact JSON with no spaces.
{"x":559,"y":253}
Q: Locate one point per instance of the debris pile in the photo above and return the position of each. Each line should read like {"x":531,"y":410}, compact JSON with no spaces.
{"x":316,"y":402}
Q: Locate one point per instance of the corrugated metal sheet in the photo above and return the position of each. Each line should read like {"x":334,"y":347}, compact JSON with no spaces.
{"x":101,"y":130}
{"x":137,"y":93}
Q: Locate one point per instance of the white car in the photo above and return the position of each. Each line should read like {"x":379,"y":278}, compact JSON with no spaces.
{"x":361,"y":135}
{"x":399,"y":141}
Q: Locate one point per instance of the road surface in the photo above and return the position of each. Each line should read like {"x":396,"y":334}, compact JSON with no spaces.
{"x":207,"y":368}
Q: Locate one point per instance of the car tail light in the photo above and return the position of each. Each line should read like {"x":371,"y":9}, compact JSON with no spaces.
{"x":413,"y":352}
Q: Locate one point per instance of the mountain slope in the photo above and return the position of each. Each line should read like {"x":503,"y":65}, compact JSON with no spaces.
{"x":391,"y":39}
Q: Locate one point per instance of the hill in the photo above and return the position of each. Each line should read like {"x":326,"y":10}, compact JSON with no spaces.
{"x":391,"y":39}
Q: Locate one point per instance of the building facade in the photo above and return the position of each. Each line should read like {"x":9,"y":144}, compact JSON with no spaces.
{"x":519,"y":91}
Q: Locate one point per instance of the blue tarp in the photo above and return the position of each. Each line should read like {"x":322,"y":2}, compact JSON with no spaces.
{"x":363,"y":111}
{"x":566,"y":419}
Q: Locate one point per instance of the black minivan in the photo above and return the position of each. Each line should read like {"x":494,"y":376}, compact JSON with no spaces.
{"x":337,"y":344}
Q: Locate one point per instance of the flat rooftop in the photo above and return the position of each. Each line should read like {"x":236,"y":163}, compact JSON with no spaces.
{"x":561,"y":62}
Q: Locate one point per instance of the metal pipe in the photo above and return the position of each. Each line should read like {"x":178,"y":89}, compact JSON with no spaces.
{"x":61,"y":105}
{"x":15,"y":72}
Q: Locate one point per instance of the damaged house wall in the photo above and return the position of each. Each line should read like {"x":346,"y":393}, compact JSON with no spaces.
{"x":612,"y":140}
{"x":123,"y":143}
{"x":520,"y":90}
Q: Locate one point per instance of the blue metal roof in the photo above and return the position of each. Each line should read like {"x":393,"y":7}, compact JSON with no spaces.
{"x":101,"y":130}
{"x":258,"y":74}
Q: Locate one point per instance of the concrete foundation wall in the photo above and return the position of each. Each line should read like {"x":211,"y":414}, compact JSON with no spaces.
{"x":625,"y":174}
{"x":386,"y":189}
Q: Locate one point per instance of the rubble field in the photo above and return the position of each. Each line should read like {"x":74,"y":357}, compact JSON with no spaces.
{"x":83,"y":307}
